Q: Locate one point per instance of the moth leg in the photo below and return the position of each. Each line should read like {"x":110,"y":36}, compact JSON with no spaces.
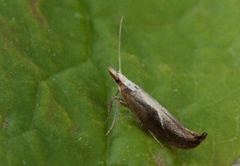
{"x":115,"y":118}
{"x":120,"y":101}
{"x":112,"y":99}
{"x":123,"y":103}
{"x":155,"y":138}
{"x":111,"y":104}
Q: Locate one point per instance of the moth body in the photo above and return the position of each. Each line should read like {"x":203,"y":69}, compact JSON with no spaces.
{"x":154,"y":116}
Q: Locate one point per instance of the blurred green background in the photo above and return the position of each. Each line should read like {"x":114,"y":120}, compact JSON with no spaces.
{"x":54,"y":83}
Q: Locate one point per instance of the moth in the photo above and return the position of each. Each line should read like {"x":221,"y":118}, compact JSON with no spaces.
{"x":152,"y":115}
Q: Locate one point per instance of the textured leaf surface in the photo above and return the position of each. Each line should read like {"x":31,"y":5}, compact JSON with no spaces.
{"x":54,"y":82}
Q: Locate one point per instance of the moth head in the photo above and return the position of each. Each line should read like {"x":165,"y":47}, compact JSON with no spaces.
{"x":115,"y":76}
{"x":119,"y":78}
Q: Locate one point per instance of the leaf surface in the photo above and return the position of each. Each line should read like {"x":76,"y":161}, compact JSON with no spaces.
{"x":54,"y":83}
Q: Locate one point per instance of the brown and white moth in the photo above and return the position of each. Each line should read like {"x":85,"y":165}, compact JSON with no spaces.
{"x":153,"y":116}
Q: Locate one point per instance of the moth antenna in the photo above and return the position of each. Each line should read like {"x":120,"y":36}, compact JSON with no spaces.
{"x":106,"y":53}
{"x":119,"y":44}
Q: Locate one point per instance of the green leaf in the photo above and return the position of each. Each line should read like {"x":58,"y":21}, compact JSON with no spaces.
{"x":54,"y":83}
